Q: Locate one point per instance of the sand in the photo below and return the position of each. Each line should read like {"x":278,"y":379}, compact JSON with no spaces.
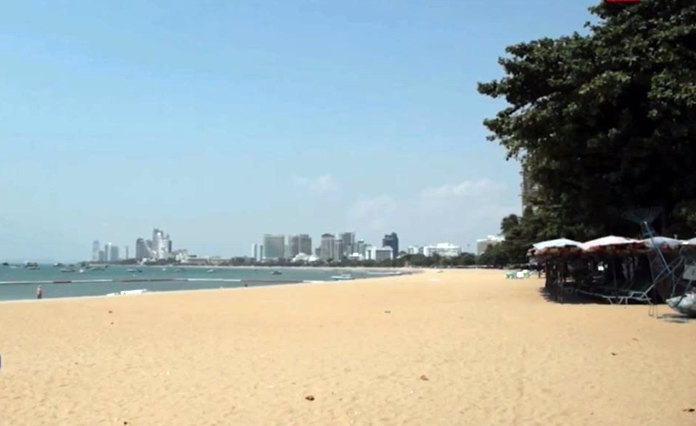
{"x":455,"y":348}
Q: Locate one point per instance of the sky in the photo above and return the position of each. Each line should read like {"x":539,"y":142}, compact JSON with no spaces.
{"x":219,"y":121}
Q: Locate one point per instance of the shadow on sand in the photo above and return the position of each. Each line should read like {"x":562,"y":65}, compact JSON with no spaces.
{"x":572,"y":298}
{"x":568,"y":298}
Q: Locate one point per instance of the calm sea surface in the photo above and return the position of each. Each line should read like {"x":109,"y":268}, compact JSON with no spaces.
{"x":17,"y":282}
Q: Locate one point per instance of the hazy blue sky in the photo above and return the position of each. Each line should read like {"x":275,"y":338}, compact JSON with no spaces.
{"x":219,"y":121}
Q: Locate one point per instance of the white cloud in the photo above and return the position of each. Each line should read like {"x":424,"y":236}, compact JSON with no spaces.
{"x":319,"y":185}
{"x":458,"y":213}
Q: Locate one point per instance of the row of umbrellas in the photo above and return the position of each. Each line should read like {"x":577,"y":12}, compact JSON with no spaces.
{"x":607,"y":245}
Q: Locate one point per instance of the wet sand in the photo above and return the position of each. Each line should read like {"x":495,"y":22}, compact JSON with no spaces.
{"x":461,"y":347}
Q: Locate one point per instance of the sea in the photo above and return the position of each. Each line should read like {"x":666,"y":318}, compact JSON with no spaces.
{"x":19,"y":283}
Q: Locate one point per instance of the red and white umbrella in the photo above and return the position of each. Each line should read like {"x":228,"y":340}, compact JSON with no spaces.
{"x":613,"y":245}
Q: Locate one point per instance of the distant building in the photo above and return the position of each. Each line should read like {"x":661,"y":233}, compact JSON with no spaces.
{"x":360,"y":247}
{"x":257,"y":252}
{"x":379,"y":254}
{"x":392,"y":240}
{"x":161,"y":245}
{"x":305,"y":244}
{"x":414,"y":250}
{"x":142,"y":251}
{"x":107,"y":252}
{"x":348,"y":239}
{"x":317,"y":252}
{"x":442,"y":249}
{"x":297,"y":244}
{"x":274,"y":246}
{"x":102,"y":256}
{"x":114,"y":255}
{"x":483,"y":244}
{"x":96,"y":247}
{"x":339,"y":250}
{"x":327,"y":247}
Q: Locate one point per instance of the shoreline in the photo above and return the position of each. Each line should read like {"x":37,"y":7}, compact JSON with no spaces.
{"x":148,"y":292}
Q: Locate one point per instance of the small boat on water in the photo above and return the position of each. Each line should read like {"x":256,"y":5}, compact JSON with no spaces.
{"x":276,"y":273}
{"x":134,"y":270}
{"x":180,"y":270}
{"x":128,"y":292}
{"x":68,"y":270}
{"x":210,"y":271}
{"x":342,"y":277}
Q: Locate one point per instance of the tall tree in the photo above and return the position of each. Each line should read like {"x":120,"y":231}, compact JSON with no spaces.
{"x":605,"y":122}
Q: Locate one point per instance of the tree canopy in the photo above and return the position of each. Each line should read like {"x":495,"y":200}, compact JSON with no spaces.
{"x":603,"y":123}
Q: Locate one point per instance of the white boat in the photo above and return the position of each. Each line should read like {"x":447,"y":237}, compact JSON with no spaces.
{"x":128,"y":292}
{"x":342,"y":277}
{"x":685,"y":305}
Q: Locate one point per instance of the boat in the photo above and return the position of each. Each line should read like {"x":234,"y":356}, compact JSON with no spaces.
{"x":276,"y":273}
{"x":134,"y":270}
{"x":128,"y":292}
{"x":210,"y":271}
{"x":180,"y":270}
{"x":68,"y":270}
{"x":342,"y":277}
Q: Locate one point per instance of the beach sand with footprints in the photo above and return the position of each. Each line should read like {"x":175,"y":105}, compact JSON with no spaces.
{"x":463,"y":347}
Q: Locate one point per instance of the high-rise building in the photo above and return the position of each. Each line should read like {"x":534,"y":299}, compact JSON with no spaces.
{"x":274,"y":246}
{"x":257,"y":252}
{"x":348,"y":239}
{"x":483,"y":244}
{"x":301,"y":243}
{"x":142,"y":251}
{"x":339,"y":249}
{"x":95,"y":250}
{"x":360,"y":247}
{"x":102,"y":257}
{"x":169,"y":244}
{"x":107,"y":252}
{"x":392,"y":241}
{"x":327,"y":247}
{"x":114,"y":255}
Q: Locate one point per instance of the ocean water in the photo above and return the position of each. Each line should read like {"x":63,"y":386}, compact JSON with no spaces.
{"x":18,"y":283}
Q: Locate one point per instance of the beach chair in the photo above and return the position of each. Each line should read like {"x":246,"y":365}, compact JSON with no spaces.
{"x":640,"y":291}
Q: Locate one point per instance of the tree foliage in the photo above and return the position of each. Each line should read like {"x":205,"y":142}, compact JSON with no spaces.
{"x":604,"y":122}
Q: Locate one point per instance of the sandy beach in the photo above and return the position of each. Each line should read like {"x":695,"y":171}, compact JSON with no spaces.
{"x":462,"y":347}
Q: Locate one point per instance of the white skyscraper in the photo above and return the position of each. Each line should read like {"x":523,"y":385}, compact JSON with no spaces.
{"x":160,"y":244}
{"x":95,"y":250}
{"x":107,"y":252}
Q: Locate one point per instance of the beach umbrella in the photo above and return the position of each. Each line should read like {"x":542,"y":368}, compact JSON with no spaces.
{"x":663,"y":243}
{"x":557,"y":247}
{"x":557,"y":243}
{"x":691,"y":242}
{"x":613,"y":245}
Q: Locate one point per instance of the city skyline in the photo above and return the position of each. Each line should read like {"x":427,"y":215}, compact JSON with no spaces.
{"x":262,"y":119}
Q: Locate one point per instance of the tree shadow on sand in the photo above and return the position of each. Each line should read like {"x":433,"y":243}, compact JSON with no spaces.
{"x":568,"y":298}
